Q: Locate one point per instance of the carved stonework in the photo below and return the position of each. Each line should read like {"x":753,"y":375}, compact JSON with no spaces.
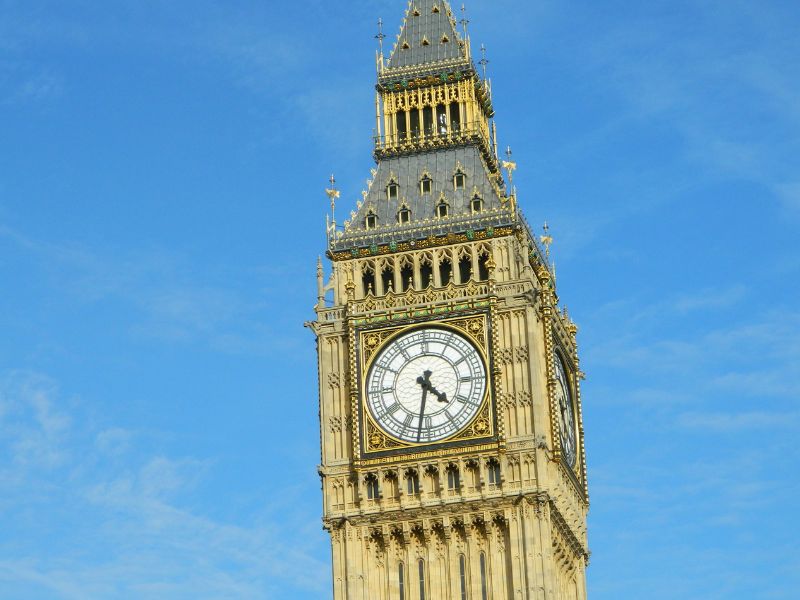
{"x":492,"y":486}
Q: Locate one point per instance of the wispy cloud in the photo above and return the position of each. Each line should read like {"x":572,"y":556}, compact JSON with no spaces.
{"x":166,"y":297}
{"x":129,"y":526}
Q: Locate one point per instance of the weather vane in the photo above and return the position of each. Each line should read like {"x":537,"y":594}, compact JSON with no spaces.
{"x":483,"y":61}
{"x":333,"y":194}
{"x":510,"y":166}
{"x":546,"y":239}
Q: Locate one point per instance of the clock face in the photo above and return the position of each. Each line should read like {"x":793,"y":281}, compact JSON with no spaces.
{"x":565,"y":406}
{"x":426,"y":385}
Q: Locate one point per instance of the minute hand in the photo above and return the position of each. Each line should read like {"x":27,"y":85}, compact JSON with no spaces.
{"x":422,"y":412}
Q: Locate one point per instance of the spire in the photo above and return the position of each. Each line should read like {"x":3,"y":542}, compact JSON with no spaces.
{"x":428,"y":35}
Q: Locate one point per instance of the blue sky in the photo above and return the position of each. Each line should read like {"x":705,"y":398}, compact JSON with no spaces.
{"x":162,"y":169}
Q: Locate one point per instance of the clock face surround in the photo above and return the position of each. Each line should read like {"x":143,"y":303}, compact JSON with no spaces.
{"x":567,"y":413}
{"x":426,"y":385}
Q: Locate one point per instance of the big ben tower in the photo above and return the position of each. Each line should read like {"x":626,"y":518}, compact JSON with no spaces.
{"x":453,"y":463}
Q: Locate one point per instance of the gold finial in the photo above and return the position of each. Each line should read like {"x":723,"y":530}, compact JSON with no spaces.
{"x":546,"y":239}
{"x":510,"y":166}
{"x":333,"y":195}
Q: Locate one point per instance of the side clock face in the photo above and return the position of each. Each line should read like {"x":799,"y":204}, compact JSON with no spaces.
{"x":426,"y":385}
{"x":565,"y":406}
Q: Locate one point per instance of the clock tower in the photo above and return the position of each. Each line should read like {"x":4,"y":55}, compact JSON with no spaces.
{"x":453,"y":463}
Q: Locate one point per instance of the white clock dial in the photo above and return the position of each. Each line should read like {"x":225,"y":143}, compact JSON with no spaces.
{"x":565,"y":406}
{"x":426,"y":385}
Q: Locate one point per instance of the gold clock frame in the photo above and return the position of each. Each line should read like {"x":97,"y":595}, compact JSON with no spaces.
{"x":570,"y":372}
{"x":375,"y":442}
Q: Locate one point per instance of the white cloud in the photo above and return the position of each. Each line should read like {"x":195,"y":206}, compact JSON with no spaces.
{"x":721,"y":422}
{"x":90,"y":525}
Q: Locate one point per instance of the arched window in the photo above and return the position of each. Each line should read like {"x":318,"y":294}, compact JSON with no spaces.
{"x":442,"y":209}
{"x":459,"y":180}
{"x":453,"y":478}
{"x":465,"y":268}
{"x":393,"y":190}
{"x":407,"y":276}
{"x":484,"y":587}
{"x":371,"y":222}
{"x":426,"y":273}
{"x":445,"y":271}
{"x":387,"y":279}
{"x":368,"y":280}
{"x":462,"y":568}
{"x":494,"y":472}
{"x":373,"y":487}
{"x":401,"y":578}
{"x":483,"y":266}
{"x":412,"y":482}
{"x":421,"y":579}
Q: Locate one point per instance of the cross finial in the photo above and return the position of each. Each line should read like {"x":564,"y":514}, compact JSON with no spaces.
{"x":509,"y":154}
{"x":381,"y":36}
{"x":483,"y":61}
{"x":464,"y":19}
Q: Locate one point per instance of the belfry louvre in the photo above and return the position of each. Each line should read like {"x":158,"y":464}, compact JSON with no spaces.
{"x":453,"y":463}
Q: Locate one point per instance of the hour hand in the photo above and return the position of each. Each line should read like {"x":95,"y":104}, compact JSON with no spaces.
{"x":441,"y":397}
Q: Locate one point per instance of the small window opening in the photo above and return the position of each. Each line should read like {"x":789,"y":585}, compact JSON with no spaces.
{"x":494,"y":472}
{"x":403,"y":216}
{"x":455,"y":116}
{"x":416,"y":12}
{"x":441,"y":119}
{"x":421,"y":580}
{"x":462,"y":568}
{"x":368,"y":281}
{"x":371,"y":222}
{"x":445,"y":39}
{"x":436,"y":9}
{"x":425,"y":42}
{"x":405,"y":46}
{"x":415,"y":131}
{"x":412,"y":483}
{"x":477,"y":204}
{"x":407,"y":277}
{"x":465,"y":269}
{"x":373,"y":488}
{"x":393,"y":191}
{"x":460,"y":180}
{"x":442,"y":209}
{"x":401,"y":578}
{"x":402,"y":126}
{"x":426,"y":185}
{"x":483,"y":267}
{"x":427,"y":119}
{"x":445,"y":272}
{"x":387,"y":279}
{"x":453,"y":479}
{"x":484,"y":587}
{"x":426,"y":275}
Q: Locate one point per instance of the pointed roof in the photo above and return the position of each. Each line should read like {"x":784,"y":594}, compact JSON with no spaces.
{"x":407,"y":172}
{"x":428,"y":35}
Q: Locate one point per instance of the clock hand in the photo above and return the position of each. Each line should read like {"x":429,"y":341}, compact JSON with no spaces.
{"x":425,"y":383}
